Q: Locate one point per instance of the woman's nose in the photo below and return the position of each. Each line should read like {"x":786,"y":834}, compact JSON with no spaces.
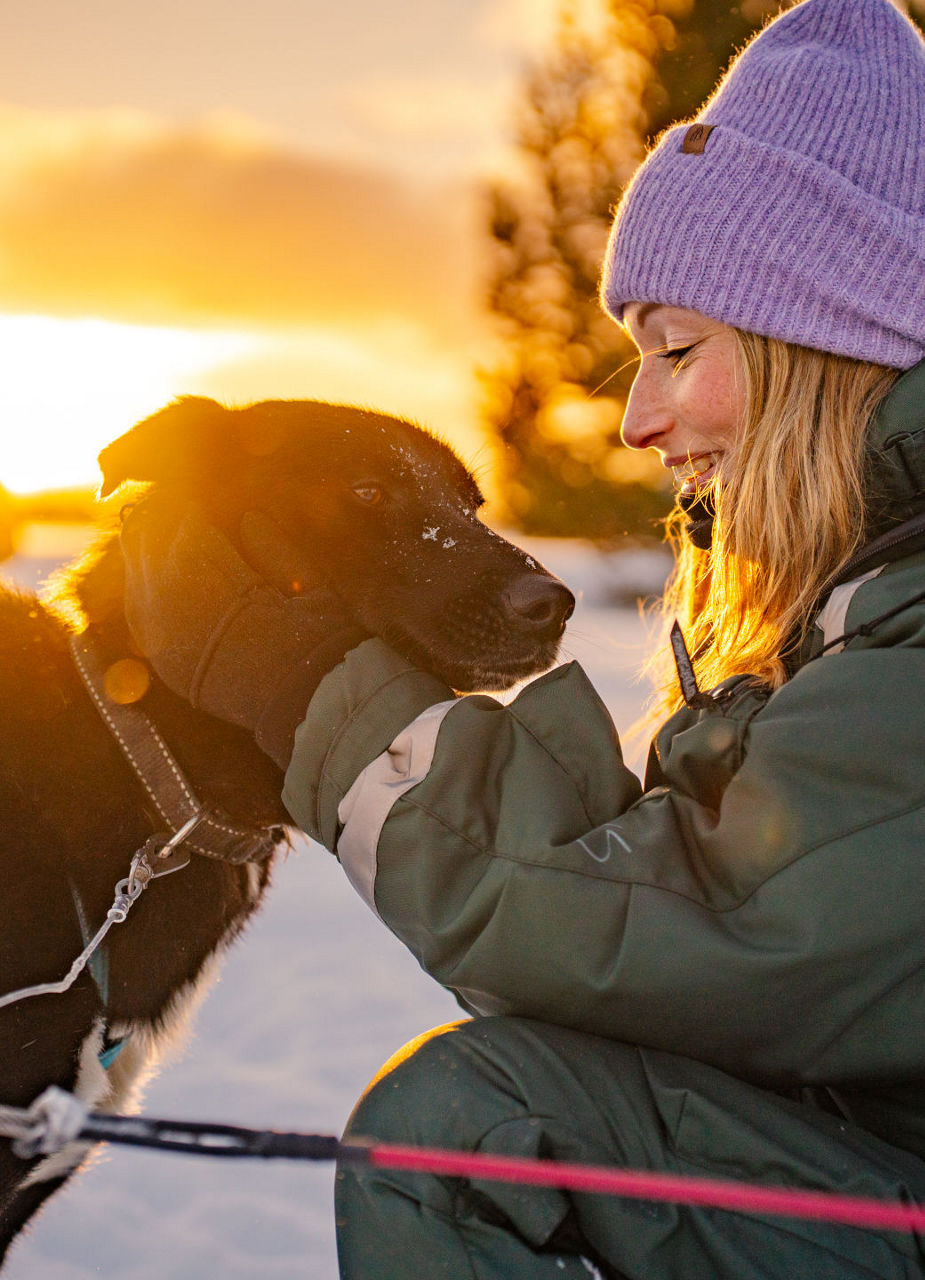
{"x":644,"y":419}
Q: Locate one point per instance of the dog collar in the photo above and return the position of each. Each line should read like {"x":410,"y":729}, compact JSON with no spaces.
{"x":157,"y":770}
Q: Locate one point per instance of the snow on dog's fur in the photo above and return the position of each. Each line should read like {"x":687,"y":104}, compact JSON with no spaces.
{"x":388,"y":516}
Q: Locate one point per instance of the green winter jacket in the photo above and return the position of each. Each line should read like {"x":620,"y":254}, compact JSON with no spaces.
{"x":758,"y":905}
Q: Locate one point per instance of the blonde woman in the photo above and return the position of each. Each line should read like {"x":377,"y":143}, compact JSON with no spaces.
{"x":721,"y":971}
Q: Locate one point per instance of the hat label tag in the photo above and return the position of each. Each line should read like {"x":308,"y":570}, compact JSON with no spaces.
{"x":695,"y":140}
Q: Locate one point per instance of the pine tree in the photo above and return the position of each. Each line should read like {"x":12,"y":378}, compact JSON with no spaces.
{"x":579,"y":139}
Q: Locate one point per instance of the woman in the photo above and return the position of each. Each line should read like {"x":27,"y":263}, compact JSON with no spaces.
{"x":722,"y":972}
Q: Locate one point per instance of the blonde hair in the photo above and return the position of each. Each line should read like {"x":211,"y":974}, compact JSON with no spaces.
{"x":789,"y":511}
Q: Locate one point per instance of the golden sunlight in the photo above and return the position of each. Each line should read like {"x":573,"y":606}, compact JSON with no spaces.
{"x":70,"y":386}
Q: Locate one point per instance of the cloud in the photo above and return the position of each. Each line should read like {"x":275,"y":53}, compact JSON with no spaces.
{"x":431,"y":105}
{"x":122,"y":215}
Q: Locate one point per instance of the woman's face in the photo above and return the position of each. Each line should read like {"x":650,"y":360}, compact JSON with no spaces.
{"x":688,"y":397}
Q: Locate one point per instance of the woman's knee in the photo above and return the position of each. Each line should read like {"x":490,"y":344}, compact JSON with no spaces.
{"x":447,"y":1085}
{"x":456,"y":1088}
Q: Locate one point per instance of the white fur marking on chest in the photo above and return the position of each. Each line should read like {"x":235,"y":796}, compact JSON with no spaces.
{"x":91,"y":1087}
{"x":119,"y":1088}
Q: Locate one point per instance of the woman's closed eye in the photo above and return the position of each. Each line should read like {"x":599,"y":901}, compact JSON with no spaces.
{"x":676,"y":355}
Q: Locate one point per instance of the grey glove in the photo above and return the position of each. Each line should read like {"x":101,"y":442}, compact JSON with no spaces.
{"x":218,"y":633}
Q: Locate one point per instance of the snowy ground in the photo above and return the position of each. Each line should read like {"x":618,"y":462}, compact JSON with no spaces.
{"x":308,"y":1006}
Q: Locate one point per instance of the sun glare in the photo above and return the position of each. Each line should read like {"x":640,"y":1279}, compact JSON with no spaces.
{"x":71,"y":386}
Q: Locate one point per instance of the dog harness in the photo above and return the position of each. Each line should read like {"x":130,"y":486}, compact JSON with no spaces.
{"x":172,"y":795}
{"x":161,"y":776}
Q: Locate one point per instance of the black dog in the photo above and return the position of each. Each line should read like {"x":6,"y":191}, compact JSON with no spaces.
{"x":388,"y":515}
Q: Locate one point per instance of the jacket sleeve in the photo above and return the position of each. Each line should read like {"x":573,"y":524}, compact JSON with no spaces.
{"x":761,"y":908}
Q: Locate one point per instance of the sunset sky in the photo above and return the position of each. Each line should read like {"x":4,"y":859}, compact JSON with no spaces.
{"x":242,"y":201}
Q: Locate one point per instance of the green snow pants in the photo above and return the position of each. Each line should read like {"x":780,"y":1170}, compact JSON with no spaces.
{"x":517,"y":1087}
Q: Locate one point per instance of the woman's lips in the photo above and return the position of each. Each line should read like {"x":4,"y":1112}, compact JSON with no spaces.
{"x":692,"y":473}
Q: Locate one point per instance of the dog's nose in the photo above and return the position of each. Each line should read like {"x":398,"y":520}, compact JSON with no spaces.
{"x":543,"y":603}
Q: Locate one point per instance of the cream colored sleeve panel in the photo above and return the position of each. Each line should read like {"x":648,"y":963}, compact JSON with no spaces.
{"x":832,"y":620}
{"x":365,"y":807}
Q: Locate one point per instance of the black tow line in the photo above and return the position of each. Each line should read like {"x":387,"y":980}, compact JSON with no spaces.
{"x":217,"y":1139}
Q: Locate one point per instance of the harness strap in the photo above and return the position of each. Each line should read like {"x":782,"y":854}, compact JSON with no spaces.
{"x":111,"y":1050}
{"x":159,"y":773}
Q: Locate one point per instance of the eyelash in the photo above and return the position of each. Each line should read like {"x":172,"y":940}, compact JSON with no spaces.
{"x":676,"y":354}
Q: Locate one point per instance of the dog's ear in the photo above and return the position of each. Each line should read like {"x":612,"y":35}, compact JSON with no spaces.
{"x":180,"y":442}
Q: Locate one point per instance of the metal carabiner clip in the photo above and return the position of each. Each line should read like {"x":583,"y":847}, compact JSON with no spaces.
{"x":160,"y":855}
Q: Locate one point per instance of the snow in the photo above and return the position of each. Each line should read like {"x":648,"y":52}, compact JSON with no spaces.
{"x":308,"y":1006}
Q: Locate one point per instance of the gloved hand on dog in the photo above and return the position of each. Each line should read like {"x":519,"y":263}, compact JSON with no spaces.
{"x":218,"y":633}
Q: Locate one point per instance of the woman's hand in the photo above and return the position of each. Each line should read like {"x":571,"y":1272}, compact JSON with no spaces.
{"x":218,"y":633}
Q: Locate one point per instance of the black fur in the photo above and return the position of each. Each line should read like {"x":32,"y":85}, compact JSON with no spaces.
{"x":387,"y":515}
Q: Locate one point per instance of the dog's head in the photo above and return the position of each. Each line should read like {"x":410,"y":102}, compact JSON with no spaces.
{"x":380,"y":509}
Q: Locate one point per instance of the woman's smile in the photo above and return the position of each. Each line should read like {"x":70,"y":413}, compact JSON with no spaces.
{"x":693,"y":473}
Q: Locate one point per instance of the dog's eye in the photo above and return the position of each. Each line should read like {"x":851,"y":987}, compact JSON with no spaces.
{"x":368,"y":494}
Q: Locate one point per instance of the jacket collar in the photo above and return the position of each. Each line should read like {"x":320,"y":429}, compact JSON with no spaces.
{"x":896,"y":453}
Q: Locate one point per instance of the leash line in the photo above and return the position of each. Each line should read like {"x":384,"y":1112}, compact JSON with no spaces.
{"x":56,"y":1118}
{"x":713,"y":1193}
{"x":127,"y":892}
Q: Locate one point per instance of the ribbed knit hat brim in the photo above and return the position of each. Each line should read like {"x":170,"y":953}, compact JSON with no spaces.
{"x":803,"y":217}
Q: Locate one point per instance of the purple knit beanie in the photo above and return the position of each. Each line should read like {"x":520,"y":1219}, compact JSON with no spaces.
{"x":795,"y":206}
